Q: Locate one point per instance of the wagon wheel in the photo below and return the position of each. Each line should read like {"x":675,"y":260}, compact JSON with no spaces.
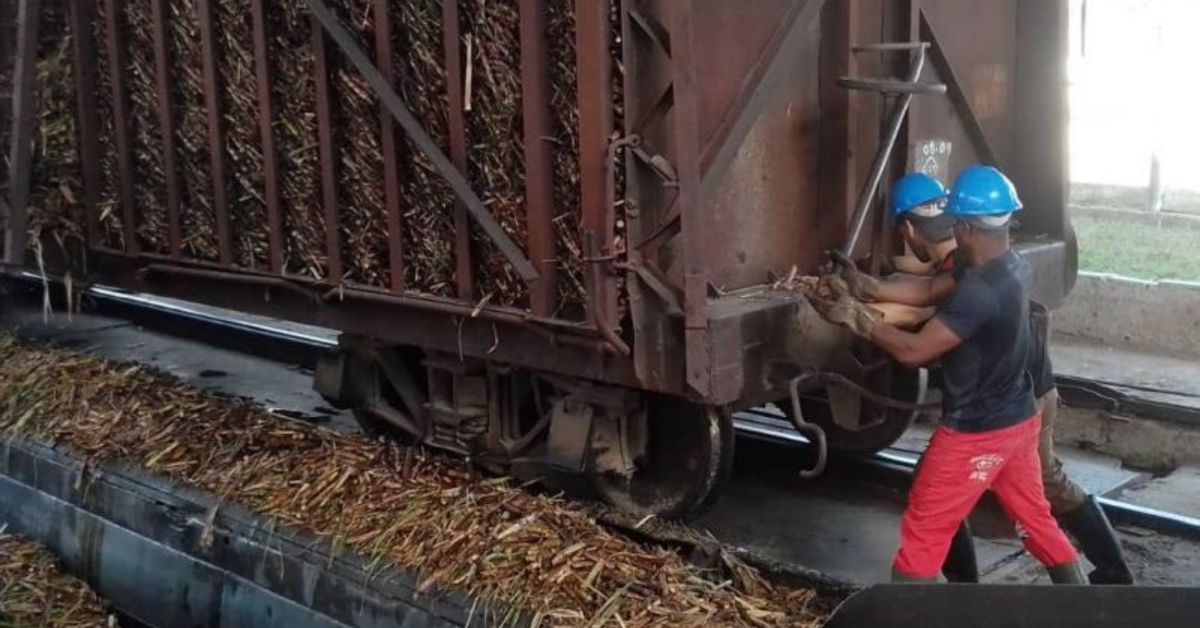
{"x":689,"y":459}
{"x":867,"y":441}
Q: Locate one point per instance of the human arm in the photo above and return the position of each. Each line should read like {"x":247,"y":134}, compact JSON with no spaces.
{"x":915,"y":349}
{"x":912,"y":265}
{"x":959,"y":318}
{"x":902,"y":316}
{"x":916,"y":291}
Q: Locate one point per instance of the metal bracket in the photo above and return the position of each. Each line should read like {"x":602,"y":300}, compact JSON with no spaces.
{"x":656,"y":285}
{"x":570,"y":435}
{"x":659,"y":165}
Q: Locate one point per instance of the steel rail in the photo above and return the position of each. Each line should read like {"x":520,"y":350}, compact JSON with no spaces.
{"x":892,"y":465}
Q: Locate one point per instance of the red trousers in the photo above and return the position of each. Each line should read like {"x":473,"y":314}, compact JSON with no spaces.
{"x":955,"y":471}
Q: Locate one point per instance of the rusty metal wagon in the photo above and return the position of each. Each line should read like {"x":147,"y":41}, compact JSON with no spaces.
{"x":553,"y":232}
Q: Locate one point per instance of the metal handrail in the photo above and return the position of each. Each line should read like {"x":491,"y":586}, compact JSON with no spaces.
{"x":888,"y":143}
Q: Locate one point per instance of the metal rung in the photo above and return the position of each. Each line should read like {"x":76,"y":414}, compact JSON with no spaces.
{"x":898,"y":46}
{"x":891,"y":86}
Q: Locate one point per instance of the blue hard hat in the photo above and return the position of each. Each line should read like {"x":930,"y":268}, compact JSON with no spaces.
{"x":982,"y":191}
{"x":914,"y":190}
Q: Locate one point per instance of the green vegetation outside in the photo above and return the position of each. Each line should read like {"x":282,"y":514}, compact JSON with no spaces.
{"x":1139,"y":250}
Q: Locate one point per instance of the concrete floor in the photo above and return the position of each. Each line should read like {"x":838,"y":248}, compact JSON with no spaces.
{"x":836,"y":524}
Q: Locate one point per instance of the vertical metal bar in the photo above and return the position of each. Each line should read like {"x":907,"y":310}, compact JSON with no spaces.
{"x":539,"y":182}
{"x":686,"y":144}
{"x":166,"y":117}
{"x":899,"y":114}
{"x":391,"y":153}
{"x":594,"y":60}
{"x":262,"y":75}
{"x":121,"y":120}
{"x":84,"y":44}
{"x":23,"y":120}
{"x":451,"y":41}
{"x":216,"y":129}
{"x":328,"y":156}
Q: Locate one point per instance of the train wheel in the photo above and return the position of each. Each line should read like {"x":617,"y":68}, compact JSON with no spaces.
{"x":689,"y":457}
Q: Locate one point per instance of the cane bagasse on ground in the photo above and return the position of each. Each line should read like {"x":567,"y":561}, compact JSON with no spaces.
{"x":484,"y":535}
{"x":35,"y":593}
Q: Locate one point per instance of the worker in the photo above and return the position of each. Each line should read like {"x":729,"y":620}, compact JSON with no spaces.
{"x":928,"y":234}
{"x":988,"y":437}
{"x":917,"y":210}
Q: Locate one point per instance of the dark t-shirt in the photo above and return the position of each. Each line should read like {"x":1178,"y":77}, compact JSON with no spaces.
{"x":986,"y":385}
{"x":1040,"y":368}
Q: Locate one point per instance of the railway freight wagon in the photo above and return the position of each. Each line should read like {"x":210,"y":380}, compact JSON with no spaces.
{"x":556,"y":234}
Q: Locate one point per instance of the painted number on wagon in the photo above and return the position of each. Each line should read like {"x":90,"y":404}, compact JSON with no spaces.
{"x":932,"y":157}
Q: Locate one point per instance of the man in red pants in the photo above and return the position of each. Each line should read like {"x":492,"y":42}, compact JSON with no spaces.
{"x":988,"y":435}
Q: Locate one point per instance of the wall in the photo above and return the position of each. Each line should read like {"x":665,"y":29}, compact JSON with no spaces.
{"x":1161,"y":317}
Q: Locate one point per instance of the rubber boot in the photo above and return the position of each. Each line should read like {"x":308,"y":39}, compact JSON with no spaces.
{"x":900,"y":577}
{"x":1089,"y":525}
{"x":1067,"y":573}
{"x":960,"y":564}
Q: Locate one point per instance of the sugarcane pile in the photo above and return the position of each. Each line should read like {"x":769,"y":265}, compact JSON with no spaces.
{"x":35,"y":593}
{"x":490,"y":49}
{"x":529,"y":553}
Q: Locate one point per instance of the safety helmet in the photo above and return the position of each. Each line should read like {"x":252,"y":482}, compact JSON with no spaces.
{"x":917,"y":190}
{"x":982,"y":191}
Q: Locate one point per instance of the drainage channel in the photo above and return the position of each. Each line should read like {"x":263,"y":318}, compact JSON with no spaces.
{"x":166,"y":556}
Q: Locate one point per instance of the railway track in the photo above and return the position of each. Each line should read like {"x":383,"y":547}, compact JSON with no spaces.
{"x":300,"y":345}
{"x":846,"y":520}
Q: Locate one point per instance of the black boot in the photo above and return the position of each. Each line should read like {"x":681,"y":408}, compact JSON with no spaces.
{"x":961,"y":564}
{"x":1089,"y":525}
{"x":1069,"y":573}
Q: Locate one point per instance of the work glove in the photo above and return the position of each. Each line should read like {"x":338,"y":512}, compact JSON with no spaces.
{"x":848,"y":312}
{"x":862,"y":286}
